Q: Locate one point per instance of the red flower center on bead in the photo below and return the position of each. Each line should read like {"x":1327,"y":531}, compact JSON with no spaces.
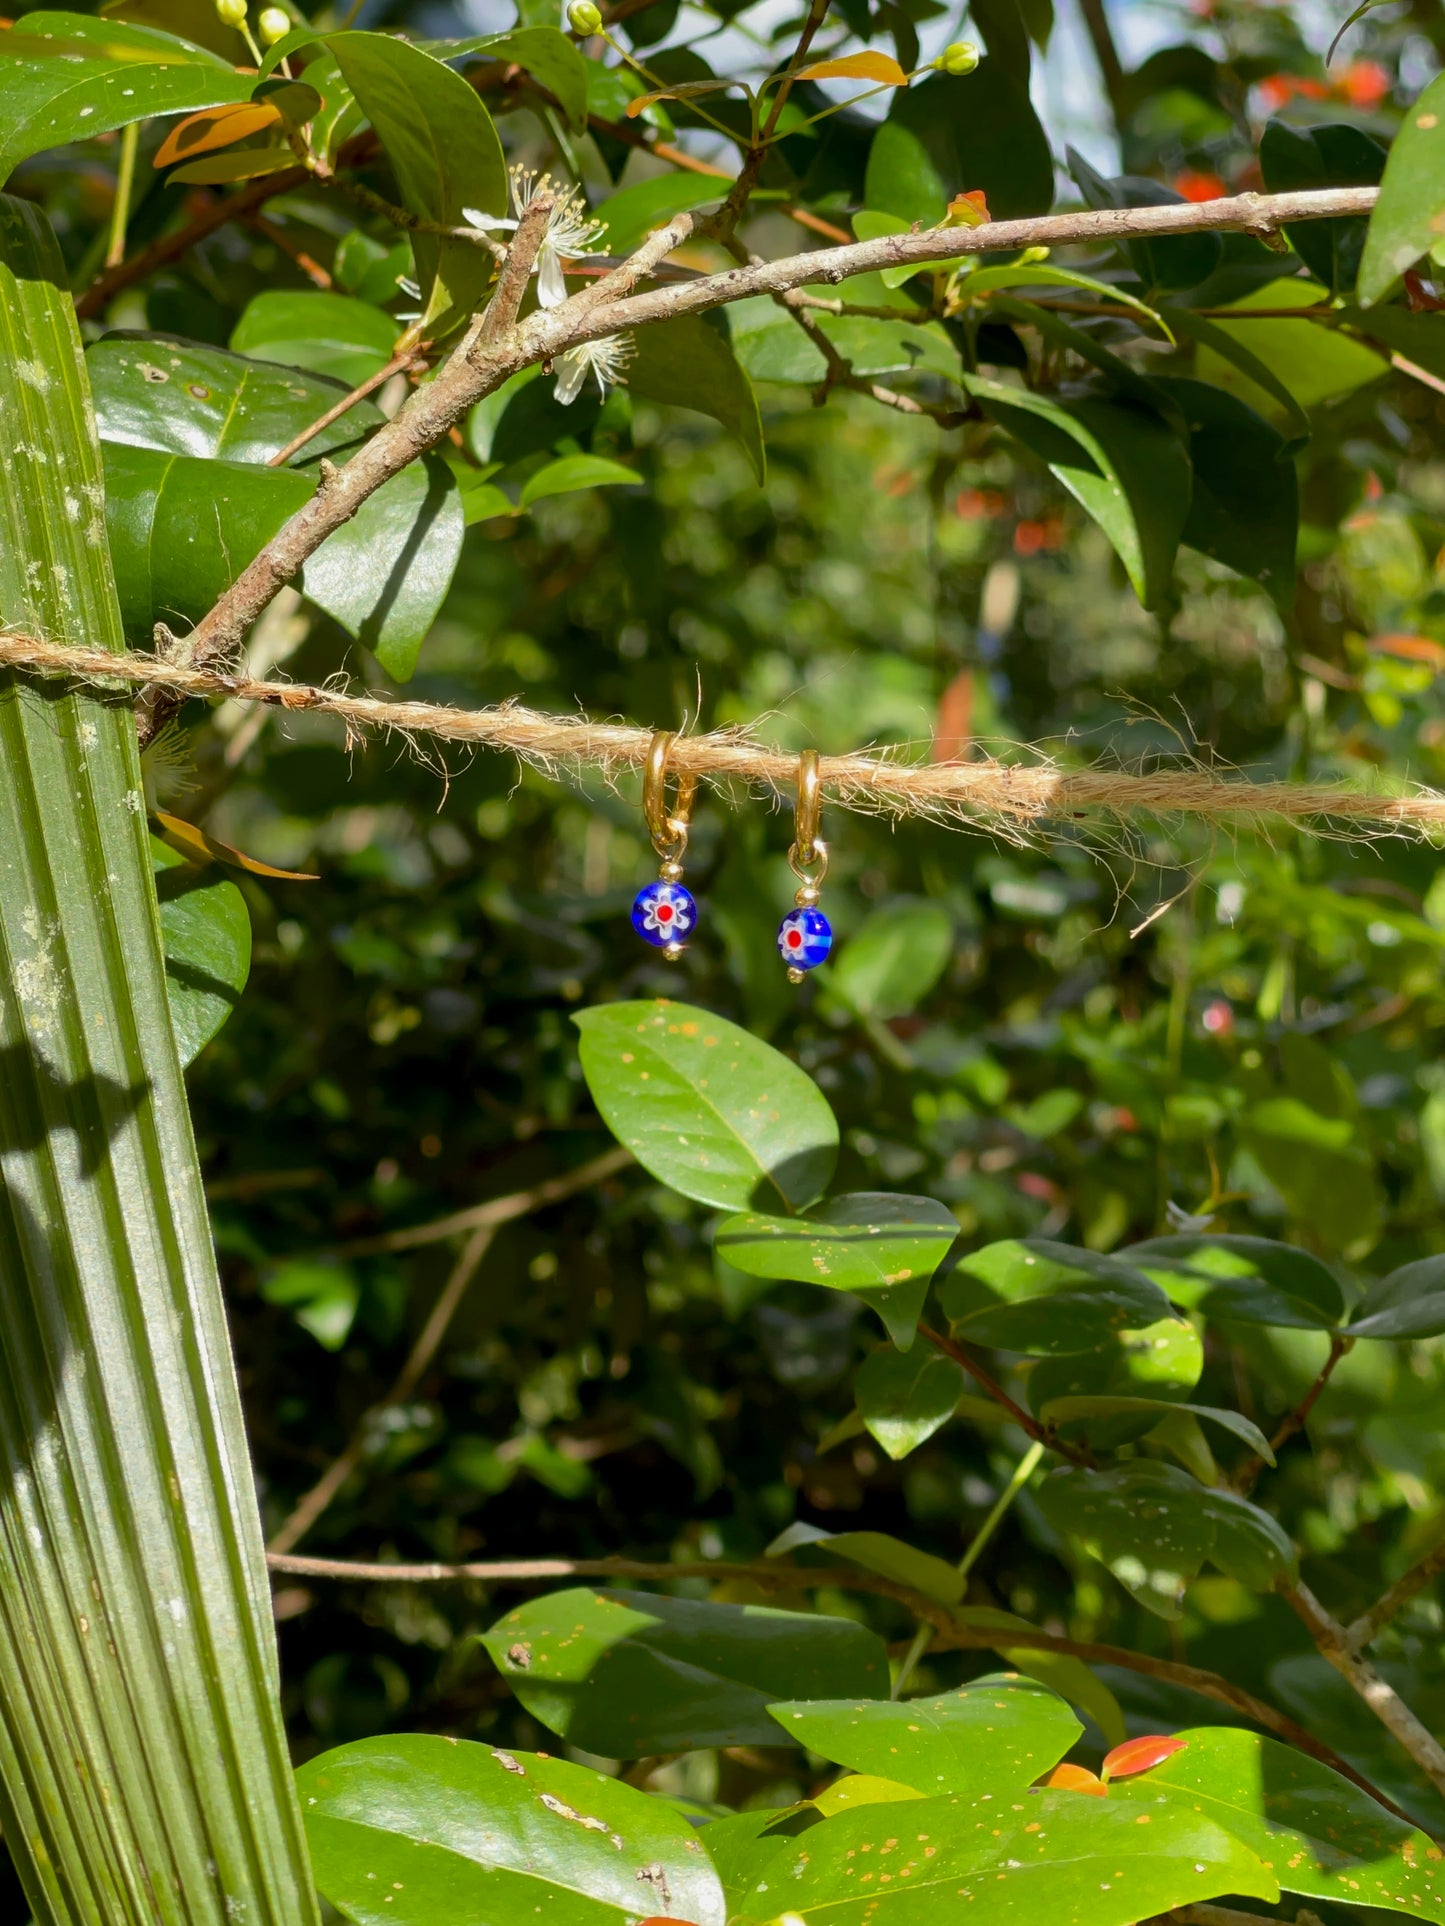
{"x":795,"y":939}
{"x":664,"y":912}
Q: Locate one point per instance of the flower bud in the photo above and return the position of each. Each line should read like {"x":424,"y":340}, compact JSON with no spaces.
{"x":1031,"y":256}
{"x":961,"y":57}
{"x":231,"y":13}
{"x":274,"y":25}
{"x":584,"y":17}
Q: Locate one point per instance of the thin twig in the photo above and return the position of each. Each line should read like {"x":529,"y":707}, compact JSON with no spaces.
{"x":1379,"y":1695}
{"x":1043,"y":1434}
{"x":497,"y":1210}
{"x":1296,"y":1420}
{"x":408,"y":358}
{"x":1009,"y":797}
{"x":278,"y":237}
{"x":1369,"y":1625}
{"x":953,"y":1634}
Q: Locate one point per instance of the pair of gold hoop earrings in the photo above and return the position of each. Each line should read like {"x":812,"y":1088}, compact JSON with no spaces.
{"x":665,"y":912}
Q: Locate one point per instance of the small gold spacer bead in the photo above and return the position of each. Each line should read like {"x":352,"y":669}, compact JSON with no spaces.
{"x":670,"y":872}
{"x":796,"y":976}
{"x":807,"y":896}
{"x":672,"y":952}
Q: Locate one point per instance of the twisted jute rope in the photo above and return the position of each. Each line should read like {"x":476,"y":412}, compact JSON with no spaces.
{"x":985,"y":790}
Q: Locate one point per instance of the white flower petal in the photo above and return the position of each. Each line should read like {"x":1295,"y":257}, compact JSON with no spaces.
{"x":571,"y":373}
{"x":474,"y":217}
{"x":551,"y":288}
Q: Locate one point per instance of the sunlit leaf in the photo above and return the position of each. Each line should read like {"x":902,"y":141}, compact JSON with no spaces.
{"x":203,"y":848}
{"x":881,"y":67}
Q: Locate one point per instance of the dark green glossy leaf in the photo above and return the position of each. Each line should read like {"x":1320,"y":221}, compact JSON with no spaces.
{"x":1180,"y":262}
{"x":1047,"y":1300}
{"x":1030,"y":1857}
{"x":954,"y":134}
{"x":573,"y":472}
{"x":689,"y":363}
{"x":1067,"y":1677}
{"x":545,"y":52}
{"x":1409,"y":1303}
{"x":1314,"y":361}
{"x":1121,"y":462}
{"x":996,"y":1734}
{"x":329,"y":334}
{"x":633,"y":212}
{"x":322,"y":1297}
{"x":181,"y":530}
{"x":708,"y":1109}
{"x":1418,"y":337}
{"x":1331,"y":154}
{"x":1407,"y":221}
{"x":444,"y":151}
{"x":625,"y":1674}
{"x":903,"y":1400}
{"x":1162,"y":1360}
{"x":421,"y":1830}
{"x":1319,"y":1834}
{"x":1070,"y":1410}
{"x":878,"y":1551}
{"x":893,"y":959}
{"x":1251,"y":1280}
{"x":1229,"y":348}
{"x":206,"y":937}
{"x":237,"y":164}
{"x":66,"y":76}
{"x":152,"y":391}
{"x":883,"y":1246}
{"x":1244,"y":508}
{"x":1155,"y":1527}
{"x":365,"y":268}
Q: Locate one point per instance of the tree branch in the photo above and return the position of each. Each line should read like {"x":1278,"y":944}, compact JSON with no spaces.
{"x":478,"y":367}
{"x":516,"y":271}
{"x":1381,"y":1697}
{"x":1111,"y":68}
{"x":953,"y":1634}
{"x":1043,"y":1434}
{"x":1369,"y":1625}
{"x":1297,"y":1419}
{"x":396,"y":365}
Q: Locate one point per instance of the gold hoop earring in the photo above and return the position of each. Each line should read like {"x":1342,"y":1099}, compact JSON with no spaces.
{"x":664,"y":912}
{"x":805,"y":935}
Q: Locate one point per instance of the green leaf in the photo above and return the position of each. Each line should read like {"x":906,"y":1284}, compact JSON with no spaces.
{"x":1047,"y":1299}
{"x":625,"y":1674}
{"x":1070,"y":1678}
{"x":860,"y":1789}
{"x":127,"y":1501}
{"x":545,"y":52}
{"x":1020,"y":274}
{"x":417,"y":1830}
{"x":903,"y":1400}
{"x":1244,"y":508}
{"x":181,"y":530}
{"x":1121,"y":462}
{"x":1229,"y":348}
{"x":1155,"y":1527}
{"x":690,"y":363}
{"x":1418,"y":337}
{"x":1409,"y":217}
{"x":237,"y":164}
{"x":206,"y":938}
{"x":893,"y":959}
{"x":869,"y":225}
{"x":1319,"y":1833}
{"x":1160,"y":1361}
{"x":1032,"y":1857}
{"x":996,"y":1735}
{"x":365,"y":268}
{"x":323,"y":1297}
{"x":878,"y":1551}
{"x":880,"y":1245}
{"x":65,"y":77}
{"x":330,"y":334}
{"x":153,"y":391}
{"x":708,"y":1109}
{"x":1182,"y":261}
{"x":1249,"y":1280}
{"x":570,"y":473}
{"x":1409,"y":1303}
{"x":1069,"y":1410}
{"x":446,"y":157}
{"x":633,"y":212}
{"x":954,"y":134}
{"x":1315,"y":362}
{"x":1331,"y":154}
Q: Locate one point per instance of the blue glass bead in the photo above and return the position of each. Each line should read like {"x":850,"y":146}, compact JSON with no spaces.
{"x":805,"y":937}
{"x":663,"y":914}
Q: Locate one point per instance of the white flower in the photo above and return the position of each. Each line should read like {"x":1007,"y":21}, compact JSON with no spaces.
{"x":570,"y":231}
{"x":605,"y":357}
{"x":1181,"y":1220}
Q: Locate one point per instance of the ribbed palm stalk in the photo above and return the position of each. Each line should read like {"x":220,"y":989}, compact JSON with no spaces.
{"x":143,"y":1770}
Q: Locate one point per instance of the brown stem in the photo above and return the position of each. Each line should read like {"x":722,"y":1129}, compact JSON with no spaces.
{"x":347,"y":402}
{"x":516,"y":270}
{"x":1340,"y":1343}
{"x":279,"y":238}
{"x":953,"y":1634}
{"x":1378,"y":1694}
{"x":1369,"y":1625}
{"x":607,"y":307}
{"x":1111,"y":68}
{"x":1043,"y":1434}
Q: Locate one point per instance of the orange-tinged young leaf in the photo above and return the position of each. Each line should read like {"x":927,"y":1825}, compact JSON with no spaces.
{"x":1073,"y":1778}
{"x":1409,"y":648}
{"x":214,"y":127}
{"x":201,"y":848}
{"x":685,"y":90}
{"x":970,"y":209}
{"x":1138,"y":1755}
{"x":881,"y":67}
